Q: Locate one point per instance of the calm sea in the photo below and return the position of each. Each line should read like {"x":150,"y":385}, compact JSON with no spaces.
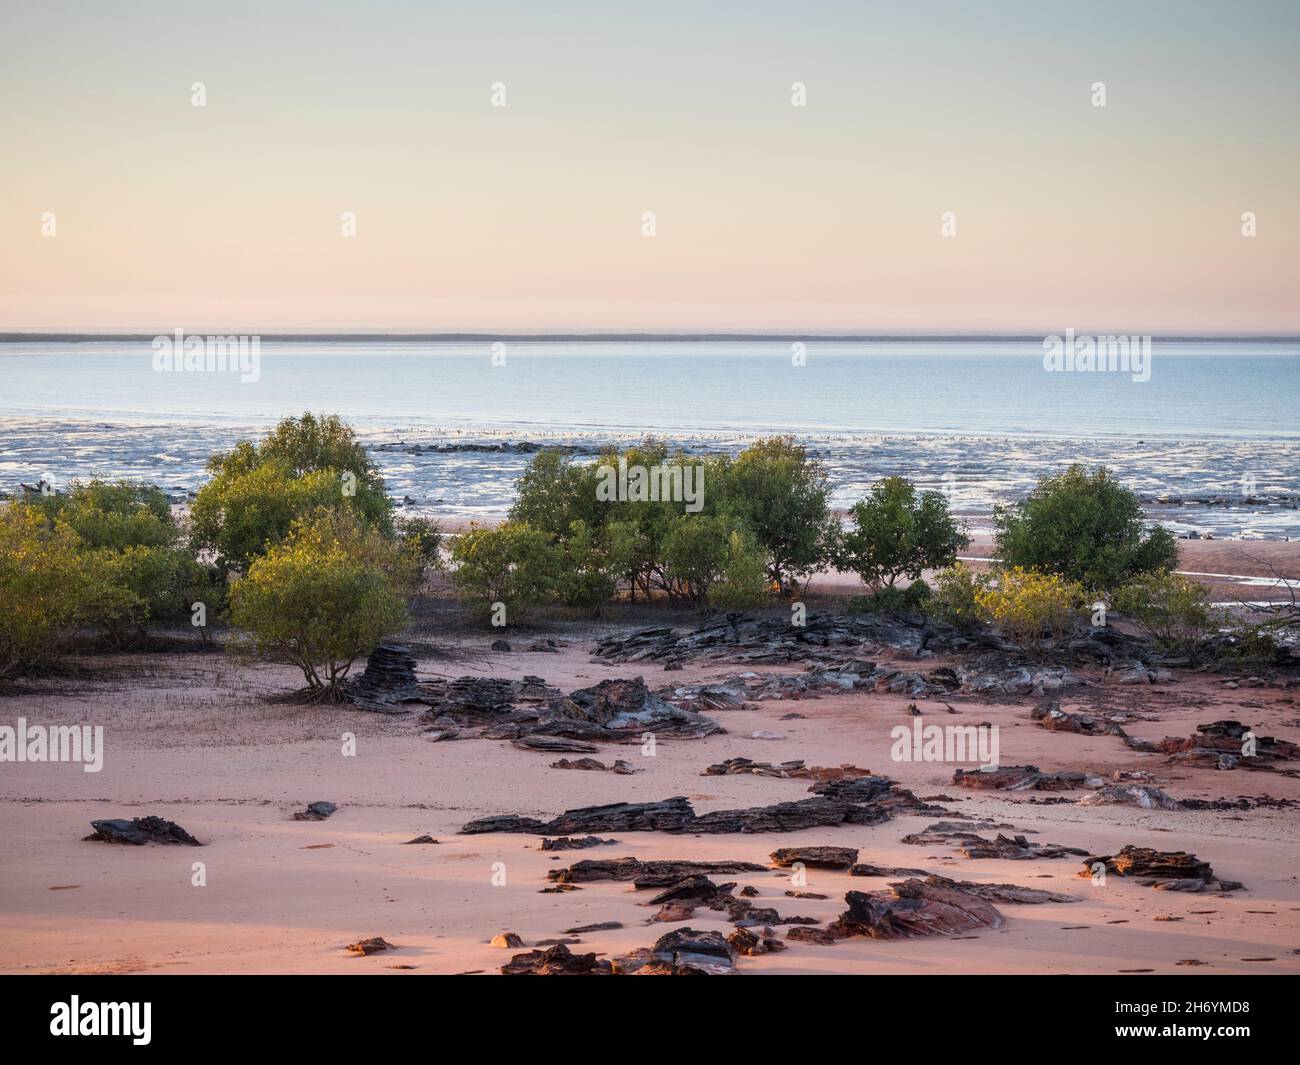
{"x":1214,"y":429}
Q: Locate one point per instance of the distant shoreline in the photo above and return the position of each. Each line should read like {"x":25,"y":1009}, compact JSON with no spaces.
{"x":839,"y":338}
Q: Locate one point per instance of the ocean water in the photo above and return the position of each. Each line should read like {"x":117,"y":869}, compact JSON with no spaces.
{"x":1211,"y":441}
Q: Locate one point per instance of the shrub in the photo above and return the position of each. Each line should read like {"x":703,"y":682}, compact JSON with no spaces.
{"x":1173,"y":610}
{"x":325,"y":596}
{"x":783,"y":497}
{"x":131,"y":545}
{"x":553,"y":492}
{"x":511,"y":563}
{"x":1084,"y":527}
{"x":915,"y":596}
{"x":954,"y":600}
{"x":584,"y":579}
{"x":744,"y":581}
{"x":258,"y":491}
{"x":898,"y":533}
{"x":713,"y":557}
{"x":1028,"y":606}
{"x":423,"y":537}
{"x":45,"y":588}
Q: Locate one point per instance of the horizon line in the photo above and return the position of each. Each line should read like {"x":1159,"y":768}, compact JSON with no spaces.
{"x":38,"y":336}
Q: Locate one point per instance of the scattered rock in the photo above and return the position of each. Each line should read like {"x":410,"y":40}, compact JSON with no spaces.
{"x":1163,"y":870}
{"x":864,"y":801}
{"x":1051,"y":717}
{"x":388,"y":684}
{"x":815,"y":857}
{"x":1005,"y":893}
{"x":552,"y":743}
{"x":808,"y":934}
{"x":792,"y":769}
{"x":570,"y":843}
{"x":683,"y":952}
{"x":1147,"y":798}
{"x":372,"y":945}
{"x":1016,"y":778}
{"x":507,"y":939}
{"x":595,"y":765}
{"x":649,"y":874}
{"x":556,"y":961}
{"x":914,"y":908}
{"x":1221,"y":745}
{"x":141,"y":830}
{"x":972,"y":845}
{"x":602,"y":926}
{"x":771,"y":638}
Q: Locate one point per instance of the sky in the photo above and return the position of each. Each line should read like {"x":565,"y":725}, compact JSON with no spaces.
{"x":124,"y":207}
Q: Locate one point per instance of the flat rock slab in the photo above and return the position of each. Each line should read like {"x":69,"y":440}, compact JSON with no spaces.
{"x":914,"y":908}
{"x":864,"y":801}
{"x":1016,"y":778}
{"x":793,"y":770}
{"x":1163,"y":870}
{"x":571,"y":843}
{"x":647,"y":874}
{"x":556,"y":961}
{"x":141,"y":830}
{"x":815,"y":857}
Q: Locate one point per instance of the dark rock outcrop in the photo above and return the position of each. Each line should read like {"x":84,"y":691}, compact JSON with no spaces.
{"x":928,"y":907}
{"x":815,"y":857}
{"x":570,"y":843}
{"x":647,"y":874}
{"x":388,"y":684}
{"x":140,"y":830}
{"x":973,"y":845}
{"x":1221,"y":745}
{"x":1016,"y":778}
{"x":556,"y":961}
{"x":793,"y":770}
{"x":1163,"y":870}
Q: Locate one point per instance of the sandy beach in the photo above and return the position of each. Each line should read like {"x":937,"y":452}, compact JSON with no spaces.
{"x":192,"y":737}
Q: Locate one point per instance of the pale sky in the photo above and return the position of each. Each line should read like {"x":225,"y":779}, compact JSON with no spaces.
{"x":528,"y":217}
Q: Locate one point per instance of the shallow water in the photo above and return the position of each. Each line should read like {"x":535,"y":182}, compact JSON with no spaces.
{"x":1216,"y":422}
